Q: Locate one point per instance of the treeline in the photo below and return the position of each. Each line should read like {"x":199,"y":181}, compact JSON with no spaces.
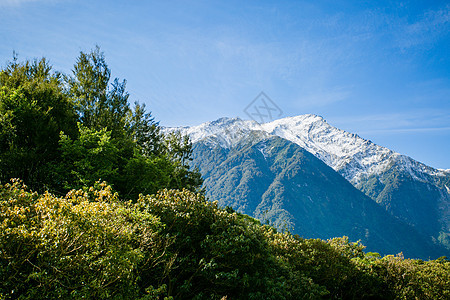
{"x":148,"y":233}
{"x":61,"y":132}
{"x":176,"y":245}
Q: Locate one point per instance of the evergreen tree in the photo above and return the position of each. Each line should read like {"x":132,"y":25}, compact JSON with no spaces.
{"x":145,"y":160}
{"x":41,"y":143}
{"x":33,"y":111}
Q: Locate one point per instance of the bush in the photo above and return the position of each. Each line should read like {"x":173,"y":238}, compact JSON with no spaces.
{"x":87,"y":244}
{"x":178,"y":245}
{"x":218,"y":253}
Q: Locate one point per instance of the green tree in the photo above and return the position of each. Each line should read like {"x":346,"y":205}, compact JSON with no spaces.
{"x":178,"y":149}
{"x":91,"y":157}
{"x":145,"y":160}
{"x":89,"y":89}
{"x":41,"y":143}
{"x":102,"y":104}
{"x":33,"y":111}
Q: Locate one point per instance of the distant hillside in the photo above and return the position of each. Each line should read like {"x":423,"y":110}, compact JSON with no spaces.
{"x":247,"y":166}
{"x":408,"y":189}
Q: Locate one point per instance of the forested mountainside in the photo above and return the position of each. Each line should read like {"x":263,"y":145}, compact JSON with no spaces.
{"x":410,"y":191}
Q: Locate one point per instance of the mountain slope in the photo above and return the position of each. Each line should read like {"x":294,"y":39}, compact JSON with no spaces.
{"x":275,"y":180}
{"x":411,"y":191}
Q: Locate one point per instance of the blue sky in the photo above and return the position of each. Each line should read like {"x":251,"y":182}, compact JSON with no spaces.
{"x":377,"y":68}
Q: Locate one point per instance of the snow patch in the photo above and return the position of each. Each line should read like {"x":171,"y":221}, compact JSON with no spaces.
{"x":347,"y":153}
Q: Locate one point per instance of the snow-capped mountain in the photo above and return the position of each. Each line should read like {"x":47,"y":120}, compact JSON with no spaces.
{"x":410,"y":190}
{"x":225,"y":132}
{"x":347,"y":153}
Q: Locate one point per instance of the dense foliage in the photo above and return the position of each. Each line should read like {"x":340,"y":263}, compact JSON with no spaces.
{"x":62,"y":132}
{"x":177,"y":244}
{"x":147,"y":233}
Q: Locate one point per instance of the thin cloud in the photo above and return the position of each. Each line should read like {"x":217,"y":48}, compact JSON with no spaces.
{"x":407,"y":130}
{"x":5,"y":3}
{"x":427,"y":30}
{"x":324,"y":98}
{"x":18,"y":3}
{"x":393,"y":123}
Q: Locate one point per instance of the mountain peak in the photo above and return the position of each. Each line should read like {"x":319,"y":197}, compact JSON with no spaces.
{"x":354,"y":157}
{"x":224,"y":121}
{"x":347,"y":153}
{"x":295,"y":120}
{"x":224,"y":132}
{"x":305,"y":117}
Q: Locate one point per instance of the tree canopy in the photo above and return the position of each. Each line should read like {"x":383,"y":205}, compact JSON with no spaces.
{"x":60,"y":132}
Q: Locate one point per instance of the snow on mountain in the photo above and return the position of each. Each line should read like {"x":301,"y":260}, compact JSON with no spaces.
{"x":347,"y":153}
{"x":225,"y":132}
{"x":343,"y":151}
{"x":412,"y":191}
{"x":352,"y":156}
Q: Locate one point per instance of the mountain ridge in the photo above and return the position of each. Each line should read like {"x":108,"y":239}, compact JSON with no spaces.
{"x":307,"y":120}
{"x":417,"y":194}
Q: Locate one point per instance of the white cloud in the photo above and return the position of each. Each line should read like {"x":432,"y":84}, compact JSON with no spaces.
{"x":17,"y":3}
{"x":406,"y":130}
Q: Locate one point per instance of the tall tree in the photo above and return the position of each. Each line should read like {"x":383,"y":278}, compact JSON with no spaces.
{"x":33,"y":111}
{"x":89,"y":87}
{"x":102,"y":103}
{"x":146,"y":160}
{"x":178,"y":149}
{"x":41,"y":142}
